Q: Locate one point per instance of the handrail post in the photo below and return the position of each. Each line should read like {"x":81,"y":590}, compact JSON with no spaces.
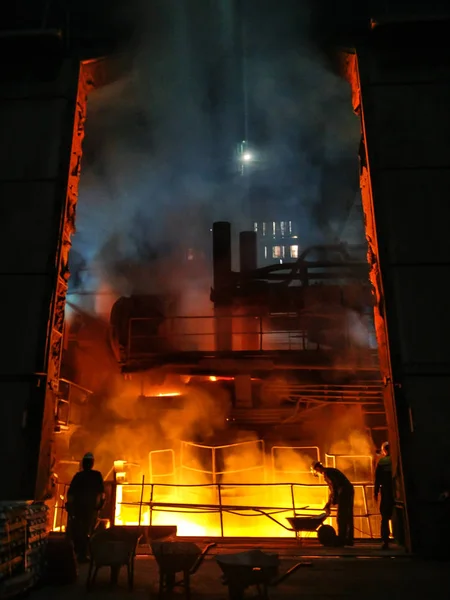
{"x":293,"y":498}
{"x":142,"y":497}
{"x":260,"y":334}
{"x":219,"y":493}
{"x":151,"y":503}
{"x":61,"y":508}
{"x":293,"y":506}
{"x":366,"y":505}
{"x":114,"y":500}
{"x":213,"y":465}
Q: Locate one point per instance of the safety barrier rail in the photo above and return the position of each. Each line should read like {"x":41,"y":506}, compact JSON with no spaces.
{"x":188,"y":505}
{"x":304,"y":456}
{"x":70,"y":394}
{"x":218,"y":460}
{"x":166,"y":457}
{"x":356,"y":468}
{"x":147,"y":336}
{"x":370,"y":394}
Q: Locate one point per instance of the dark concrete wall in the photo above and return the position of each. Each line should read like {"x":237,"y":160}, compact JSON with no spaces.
{"x":405,"y":89}
{"x":36,"y":127}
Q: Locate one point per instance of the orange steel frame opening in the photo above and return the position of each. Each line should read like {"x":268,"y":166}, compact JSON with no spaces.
{"x":213,"y":507}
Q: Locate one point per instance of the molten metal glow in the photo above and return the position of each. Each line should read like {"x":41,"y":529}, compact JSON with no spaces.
{"x":204,"y":521}
{"x":243,"y":494}
{"x":169,"y":394}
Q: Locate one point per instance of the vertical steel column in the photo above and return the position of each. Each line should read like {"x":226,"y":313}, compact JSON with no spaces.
{"x":222,"y":281}
{"x":248,"y":251}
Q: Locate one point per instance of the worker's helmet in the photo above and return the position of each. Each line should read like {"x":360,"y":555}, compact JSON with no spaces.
{"x":88,"y":460}
{"x":315,"y":467}
{"x":385,"y":447}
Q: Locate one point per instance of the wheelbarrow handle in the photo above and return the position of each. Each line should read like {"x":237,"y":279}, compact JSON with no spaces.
{"x":201,"y":558}
{"x":288,"y":573}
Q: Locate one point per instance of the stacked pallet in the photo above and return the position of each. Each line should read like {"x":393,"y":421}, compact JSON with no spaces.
{"x":23,"y":532}
{"x":36,"y":516}
{"x":14,"y":577}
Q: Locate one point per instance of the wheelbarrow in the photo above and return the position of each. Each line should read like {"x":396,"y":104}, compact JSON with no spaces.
{"x":178,"y":557}
{"x":326,"y":534}
{"x":253,"y":568}
{"x":114,"y":548}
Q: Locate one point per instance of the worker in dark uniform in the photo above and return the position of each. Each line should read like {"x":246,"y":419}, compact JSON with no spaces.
{"x":85,"y":498}
{"x":384,"y":484}
{"x":342,"y":494}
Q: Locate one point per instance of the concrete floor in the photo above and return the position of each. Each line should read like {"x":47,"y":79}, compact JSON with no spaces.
{"x":360,"y":572}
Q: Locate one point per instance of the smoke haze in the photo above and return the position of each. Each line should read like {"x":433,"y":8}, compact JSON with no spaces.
{"x":159,"y":163}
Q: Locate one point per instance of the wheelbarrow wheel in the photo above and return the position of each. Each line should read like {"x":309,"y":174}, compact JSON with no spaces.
{"x":326,"y":535}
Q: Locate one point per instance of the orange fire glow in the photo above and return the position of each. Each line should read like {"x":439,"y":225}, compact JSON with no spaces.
{"x":235,"y":502}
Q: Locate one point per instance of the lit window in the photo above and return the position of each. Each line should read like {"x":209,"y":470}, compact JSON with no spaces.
{"x":255,"y":227}
{"x":264,"y":229}
{"x":274,"y":229}
{"x":278,"y":251}
{"x":283,"y":225}
{"x":265,"y":251}
{"x":290,"y":227}
{"x":293,"y":251}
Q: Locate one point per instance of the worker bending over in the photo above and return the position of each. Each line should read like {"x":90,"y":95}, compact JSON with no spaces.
{"x":85,"y":498}
{"x":342,"y":494}
{"x":383,"y":483}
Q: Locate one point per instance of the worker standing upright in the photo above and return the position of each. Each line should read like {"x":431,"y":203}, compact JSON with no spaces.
{"x":85,"y":498}
{"x":384,"y":484}
{"x":342,"y":494}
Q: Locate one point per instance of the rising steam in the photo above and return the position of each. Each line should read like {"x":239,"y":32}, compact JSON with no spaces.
{"x":159,"y":154}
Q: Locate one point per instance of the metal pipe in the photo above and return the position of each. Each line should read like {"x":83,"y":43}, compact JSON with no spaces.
{"x":248,"y":251}
{"x":221,"y":254}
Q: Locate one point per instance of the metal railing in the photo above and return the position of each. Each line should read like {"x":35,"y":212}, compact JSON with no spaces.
{"x":156,"y":473}
{"x":66,"y":392}
{"x":227,"y":503}
{"x":172,"y":503}
{"x":357,"y":468}
{"x":218,"y":463}
{"x":370,"y":394}
{"x":307,"y":453}
{"x":148,"y":336}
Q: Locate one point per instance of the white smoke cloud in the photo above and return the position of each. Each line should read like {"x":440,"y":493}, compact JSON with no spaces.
{"x":158,"y":154}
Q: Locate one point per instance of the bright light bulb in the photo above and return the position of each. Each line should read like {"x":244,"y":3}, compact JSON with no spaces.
{"x":247,"y":157}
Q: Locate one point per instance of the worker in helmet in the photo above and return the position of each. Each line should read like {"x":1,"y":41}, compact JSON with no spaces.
{"x":85,"y":497}
{"x":342,"y":494}
{"x":384,"y":484}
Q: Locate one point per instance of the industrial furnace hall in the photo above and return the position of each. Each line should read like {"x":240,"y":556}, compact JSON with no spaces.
{"x":217,"y":297}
